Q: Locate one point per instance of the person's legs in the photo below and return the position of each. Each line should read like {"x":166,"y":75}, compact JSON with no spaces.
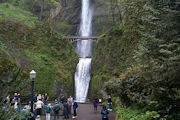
{"x":48,"y":116}
{"x":95,"y":108}
{"x":69,"y":110}
{"x":74,"y":112}
{"x":55,"y":115}
{"x":38,"y":111}
{"x":58,"y":115}
{"x":110,"y":106}
{"x":66,"y":116}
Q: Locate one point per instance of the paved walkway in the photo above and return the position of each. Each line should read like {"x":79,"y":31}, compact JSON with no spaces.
{"x":86,"y":112}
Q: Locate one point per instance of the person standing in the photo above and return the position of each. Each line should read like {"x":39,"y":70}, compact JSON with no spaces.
{"x":56,"y":109}
{"x":75,"y":106}
{"x":35,"y":98}
{"x":69,"y":105}
{"x":7,"y":100}
{"x":104,"y":113}
{"x":45,"y":98}
{"x":16,"y":106}
{"x":19,"y":100}
{"x":110,"y":103}
{"x":42,"y":98}
{"x":34,"y":113}
{"x":65,"y":110}
{"x":48,"y":111}
{"x":95,"y":102}
{"x":39,"y":106}
{"x":71,"y":98}
{"x":62,"y":99}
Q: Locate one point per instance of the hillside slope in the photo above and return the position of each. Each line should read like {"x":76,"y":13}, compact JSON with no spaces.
{"x":26,"y":43}
{"x":138,"y":61}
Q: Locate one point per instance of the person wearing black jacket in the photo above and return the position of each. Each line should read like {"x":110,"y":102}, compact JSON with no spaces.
{"x":110,"y":103}
{"x":65,"y":110}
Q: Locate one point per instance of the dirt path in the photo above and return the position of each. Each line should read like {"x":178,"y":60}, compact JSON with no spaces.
{"x":86,"y":112}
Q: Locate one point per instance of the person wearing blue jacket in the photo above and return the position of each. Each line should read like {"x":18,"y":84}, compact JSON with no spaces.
{"x":75,"y":106}
{"x":104,"y":113}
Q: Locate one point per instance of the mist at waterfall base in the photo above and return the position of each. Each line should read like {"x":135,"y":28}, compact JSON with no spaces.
{"x":84,"y":50}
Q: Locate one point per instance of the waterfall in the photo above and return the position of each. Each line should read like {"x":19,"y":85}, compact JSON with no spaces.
{"x":84,"y":50}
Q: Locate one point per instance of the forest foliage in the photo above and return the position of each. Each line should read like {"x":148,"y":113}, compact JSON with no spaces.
{"x":27,"y":43}
{"x":139,"y":60}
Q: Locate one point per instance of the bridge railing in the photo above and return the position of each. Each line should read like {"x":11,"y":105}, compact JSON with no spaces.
{"x":77,"y":38}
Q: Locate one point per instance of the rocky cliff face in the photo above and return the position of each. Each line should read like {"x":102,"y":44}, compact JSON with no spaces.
{"x":65,"y":16}
{"x":68,"y":19}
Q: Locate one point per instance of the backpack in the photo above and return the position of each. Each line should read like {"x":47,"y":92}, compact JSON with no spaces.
{"x":105,"y":114}
{"x":48,"y":109}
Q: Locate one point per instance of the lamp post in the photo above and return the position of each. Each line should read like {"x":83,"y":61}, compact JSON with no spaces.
{"x":32,"y":77}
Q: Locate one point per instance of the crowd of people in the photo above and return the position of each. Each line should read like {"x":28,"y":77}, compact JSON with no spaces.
{"x":68,"y":106}
{"x":42,"y":104}
{"x":15,"y":101}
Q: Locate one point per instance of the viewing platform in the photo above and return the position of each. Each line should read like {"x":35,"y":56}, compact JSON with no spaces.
{"x":73,"y":39}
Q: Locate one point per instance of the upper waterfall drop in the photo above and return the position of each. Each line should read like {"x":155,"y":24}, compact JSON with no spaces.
{"x":84,"y":49}
{"x":86,"y":19}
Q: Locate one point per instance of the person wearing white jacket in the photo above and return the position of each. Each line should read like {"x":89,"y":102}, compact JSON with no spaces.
{"x":39,"y":106}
